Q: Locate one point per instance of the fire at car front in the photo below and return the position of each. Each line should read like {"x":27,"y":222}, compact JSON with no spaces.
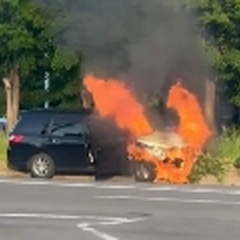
{"x":159,"y":157}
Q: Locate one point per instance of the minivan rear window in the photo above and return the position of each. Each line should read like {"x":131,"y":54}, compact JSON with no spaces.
{"x":31,"y":125}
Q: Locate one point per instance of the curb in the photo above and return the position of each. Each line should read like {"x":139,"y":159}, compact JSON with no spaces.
{"x":15,"y":174}
{"x":83,"y":178}
{"x":122,"y":179}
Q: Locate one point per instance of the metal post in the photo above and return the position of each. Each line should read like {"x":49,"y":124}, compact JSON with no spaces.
{"x":46,"y":88}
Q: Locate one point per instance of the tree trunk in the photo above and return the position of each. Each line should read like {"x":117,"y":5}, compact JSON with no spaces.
{"x":210,"y":92}
{"x":8,"y":91}
{"x":86,"y":99}
{"x":12,"y":89}
{"x":15,"y":93}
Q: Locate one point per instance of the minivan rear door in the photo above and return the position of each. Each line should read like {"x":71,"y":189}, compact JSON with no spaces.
{"x":68,"y":144}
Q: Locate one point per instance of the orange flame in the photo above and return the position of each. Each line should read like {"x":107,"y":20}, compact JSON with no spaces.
{"x":192,"y":127}
{"x":112,"y":98}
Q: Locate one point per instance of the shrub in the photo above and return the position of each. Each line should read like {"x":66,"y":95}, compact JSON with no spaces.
{"x":3,"y":147}
{"x":221,"y":153}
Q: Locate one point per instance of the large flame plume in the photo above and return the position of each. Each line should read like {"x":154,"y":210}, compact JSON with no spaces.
{"x":112,"y":98}
{"x":192,"y":127}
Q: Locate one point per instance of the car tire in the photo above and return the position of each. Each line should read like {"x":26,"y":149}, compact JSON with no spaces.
{"x":143,"y":171}
{"x":41,"y":165}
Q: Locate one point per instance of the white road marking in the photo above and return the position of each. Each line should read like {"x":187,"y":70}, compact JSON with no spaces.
{"x":192,"y":190}
{"x":124,"y":197}
{"x":113,"y":186}
{"x":64,"y":184}
{"x":88,"y":227}
{"x":60,"y":217}
{"x":170,"y":199}
{"x":85,"y":226}
{"x":44,"y":183}
{"x":158,"y":189}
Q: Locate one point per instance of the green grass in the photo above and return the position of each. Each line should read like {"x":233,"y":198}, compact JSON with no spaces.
{"x":3,"y":146}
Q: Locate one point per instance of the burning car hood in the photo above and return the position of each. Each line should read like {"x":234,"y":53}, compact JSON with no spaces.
{"x":164,"y":140}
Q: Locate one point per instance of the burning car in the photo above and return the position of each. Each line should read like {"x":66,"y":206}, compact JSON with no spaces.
{"x":160,"y":155}
{"x":147,"y":153}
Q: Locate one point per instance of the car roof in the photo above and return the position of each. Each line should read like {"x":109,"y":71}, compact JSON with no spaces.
{"x":53,"y":111}
{"x":41,"y":113}
{"x":81,"y":114}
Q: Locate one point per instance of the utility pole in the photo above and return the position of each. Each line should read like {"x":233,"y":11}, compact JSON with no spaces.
{"x":46,"y":88}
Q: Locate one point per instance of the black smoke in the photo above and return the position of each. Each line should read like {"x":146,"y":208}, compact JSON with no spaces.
{"x":147,"y":43}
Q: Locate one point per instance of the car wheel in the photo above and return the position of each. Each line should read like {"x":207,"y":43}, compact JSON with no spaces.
{"x":42,"y":166}
{"x":143,"y":172}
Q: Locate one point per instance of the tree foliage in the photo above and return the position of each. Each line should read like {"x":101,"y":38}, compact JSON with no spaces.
{"x":27,"y":37}
{"x":220,"y":20}
{"x":27,"y":40}
{"x":24,"y":36}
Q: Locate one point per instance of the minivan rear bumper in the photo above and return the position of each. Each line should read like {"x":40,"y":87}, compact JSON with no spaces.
{"x":17,"y":166}
{"x":15,"y":162}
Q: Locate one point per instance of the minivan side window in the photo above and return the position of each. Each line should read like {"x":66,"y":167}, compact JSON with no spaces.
{"x":70,"y":129}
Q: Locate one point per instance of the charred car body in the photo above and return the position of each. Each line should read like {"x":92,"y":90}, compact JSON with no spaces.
{"x":148,"y":153}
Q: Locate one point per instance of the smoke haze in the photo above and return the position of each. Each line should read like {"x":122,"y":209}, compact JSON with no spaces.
{"x":148,"y":43}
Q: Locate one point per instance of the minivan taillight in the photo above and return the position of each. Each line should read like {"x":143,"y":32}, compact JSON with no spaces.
{"x":13,"y":139}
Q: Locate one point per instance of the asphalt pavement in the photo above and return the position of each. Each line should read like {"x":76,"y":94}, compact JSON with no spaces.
{"x":31,"y":209}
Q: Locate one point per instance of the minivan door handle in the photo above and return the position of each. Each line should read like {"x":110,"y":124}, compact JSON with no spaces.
{"x":52,"y":140}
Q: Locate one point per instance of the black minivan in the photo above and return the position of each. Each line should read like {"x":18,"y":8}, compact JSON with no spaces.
{"x":45,"y":142}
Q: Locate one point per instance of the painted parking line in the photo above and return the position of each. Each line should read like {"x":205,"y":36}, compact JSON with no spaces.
{"x":44,"y":183}
{"x":61,"y":217}
{"x":64,"y":184}
{"x":89,"y":225}
{"x":114,"y":186}
{"x":199,"y":190}
{"x":168,"y":199}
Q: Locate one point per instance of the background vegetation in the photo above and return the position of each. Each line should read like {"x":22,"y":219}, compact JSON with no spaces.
{"x":27,"y":41}
{"x":221,"y":155}
{"x":3,"y":145}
